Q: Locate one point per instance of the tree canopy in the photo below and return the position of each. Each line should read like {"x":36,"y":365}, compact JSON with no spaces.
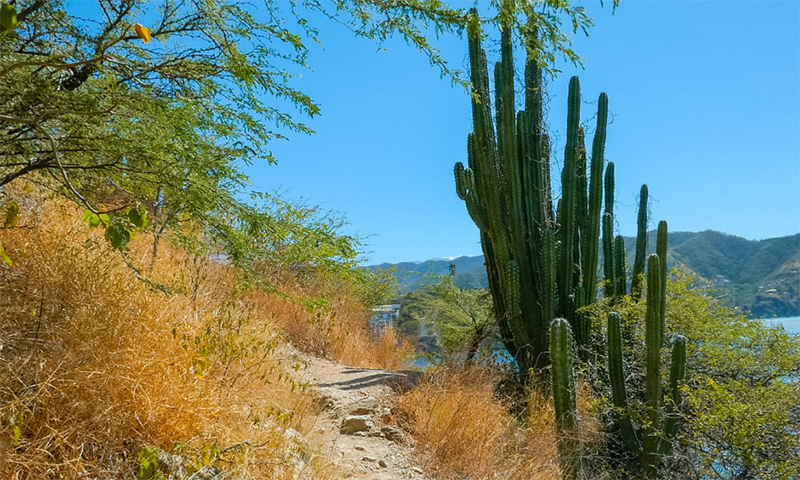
{"x":144,"y":113}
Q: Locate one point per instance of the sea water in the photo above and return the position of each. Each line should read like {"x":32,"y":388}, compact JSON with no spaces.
{"x":791,"y":324}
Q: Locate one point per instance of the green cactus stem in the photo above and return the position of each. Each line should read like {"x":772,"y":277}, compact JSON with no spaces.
{"x":608,"y":256}
{"x":564,"y":397}
{"x":591,"y":236}
{"x":619,"y":266}
{"x":567,"y":219}
{"x":641,"y":246}
{"x":617,"y":378}
{"x":653,"y":395}
{"x":677,"y":374}
{"x":661,"y":251}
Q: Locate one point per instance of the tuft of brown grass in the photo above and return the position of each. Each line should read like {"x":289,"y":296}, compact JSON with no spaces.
{"x":461,"y":429}
{"x":96,"y":365}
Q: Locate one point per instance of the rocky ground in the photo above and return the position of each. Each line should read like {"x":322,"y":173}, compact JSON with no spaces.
{"x":356,"y":427}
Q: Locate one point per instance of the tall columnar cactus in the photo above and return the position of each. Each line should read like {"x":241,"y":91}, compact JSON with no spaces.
{"x":661,"y":251}
{"x":609,"y":272}
{"x":655,"y":435}
{"x":654,"y":340}
{"x":506,"y":187}
{"x":641,"y":246}
{"x":564,"y":397}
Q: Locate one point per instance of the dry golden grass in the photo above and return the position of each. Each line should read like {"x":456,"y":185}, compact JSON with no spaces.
{"x":95,"y":364}
{"x":462,"y":430}
{"x":338,"y":328}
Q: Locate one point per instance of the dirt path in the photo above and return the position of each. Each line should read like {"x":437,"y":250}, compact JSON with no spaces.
{"x":355,"y":427}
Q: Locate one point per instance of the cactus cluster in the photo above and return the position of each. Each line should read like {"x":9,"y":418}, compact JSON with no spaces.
{"x":540,"y":265}
{"x":653,"y":439}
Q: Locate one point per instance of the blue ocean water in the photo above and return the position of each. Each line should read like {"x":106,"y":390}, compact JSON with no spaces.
{"x":791,"y":324}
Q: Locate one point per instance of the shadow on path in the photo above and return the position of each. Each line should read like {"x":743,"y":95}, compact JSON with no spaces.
{"x":396,"y":379}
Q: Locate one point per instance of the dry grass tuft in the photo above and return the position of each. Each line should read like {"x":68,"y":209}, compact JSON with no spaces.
{"x":461,"y":429}
{"x":95,"y":365}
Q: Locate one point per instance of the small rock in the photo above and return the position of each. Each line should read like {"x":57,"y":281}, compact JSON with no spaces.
{"x":365,"y":406}
{"x":416,"y":470}
{"x":360,"y":434}
{"x":323,"y":399}
{"x":387,"y":411}
{"x":359,"y":448}
{"x":356,"y":424}
{"x":375,"y":433}
{"x":369,"y":459}
{"x":394,"y":434}
{"x":382,"y":464}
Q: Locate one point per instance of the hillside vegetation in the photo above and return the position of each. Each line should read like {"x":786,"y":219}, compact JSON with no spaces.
{"x":102,"y":370}
{"x":761,"y":277}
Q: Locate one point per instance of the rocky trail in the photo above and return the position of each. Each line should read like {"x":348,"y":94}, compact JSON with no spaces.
{"x":355,"y":427}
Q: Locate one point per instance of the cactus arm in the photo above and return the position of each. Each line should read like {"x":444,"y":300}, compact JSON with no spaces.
{"x":661,"y":251}
{"x":653,"y":341}
{"x":595,"y":199}
{"x":608,"y":255}
{"x":581,"y":214}
{"x":461,"y":185}
{"x":608,"y":189}
{"x":677,"y":374}
{"x":619,"y":266}
{"x":545,"y":165}
{"x":641,"y":246}
{"x":549,"y":264}
{"x":563,"y":375}
{"x":616,"y":375}
{"x":568,"y":198}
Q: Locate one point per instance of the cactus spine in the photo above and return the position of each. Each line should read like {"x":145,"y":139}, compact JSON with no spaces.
{"x":506,"y":187}
{"x":641,"y":246}
{"x":564,"y":398}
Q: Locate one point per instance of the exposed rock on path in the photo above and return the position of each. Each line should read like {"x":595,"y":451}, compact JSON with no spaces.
{"x":356,"y":425}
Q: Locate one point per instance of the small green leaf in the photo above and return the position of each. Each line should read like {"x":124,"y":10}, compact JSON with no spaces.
{"x":5,"y":258}
{"x":118,"y":236}
{"x":96,"y":220}
{"x":8,"y":17}
{"x":16,"y":433}
{"x":138,"y":216}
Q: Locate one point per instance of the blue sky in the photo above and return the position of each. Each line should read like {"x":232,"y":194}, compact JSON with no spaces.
{"x":704,"y":97}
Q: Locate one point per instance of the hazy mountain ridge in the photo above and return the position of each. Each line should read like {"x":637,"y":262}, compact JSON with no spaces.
{"x":761,"y":276}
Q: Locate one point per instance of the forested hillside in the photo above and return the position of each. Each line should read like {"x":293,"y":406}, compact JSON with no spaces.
{"x":762,"y":276}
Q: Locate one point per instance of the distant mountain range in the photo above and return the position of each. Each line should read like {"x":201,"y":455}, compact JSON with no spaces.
{"x":761,"y":277}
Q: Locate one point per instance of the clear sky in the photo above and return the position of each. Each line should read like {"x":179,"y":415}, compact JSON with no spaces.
{"x":705,"y":105}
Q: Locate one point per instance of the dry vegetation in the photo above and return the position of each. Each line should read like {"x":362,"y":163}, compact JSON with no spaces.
{"x":96,"y":364}
{"x":462,"y":428}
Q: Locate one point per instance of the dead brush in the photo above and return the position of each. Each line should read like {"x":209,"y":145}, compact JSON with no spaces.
{"x":336,"y":328}
{"x":462,"y":430}
{"x":95,"y":365}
